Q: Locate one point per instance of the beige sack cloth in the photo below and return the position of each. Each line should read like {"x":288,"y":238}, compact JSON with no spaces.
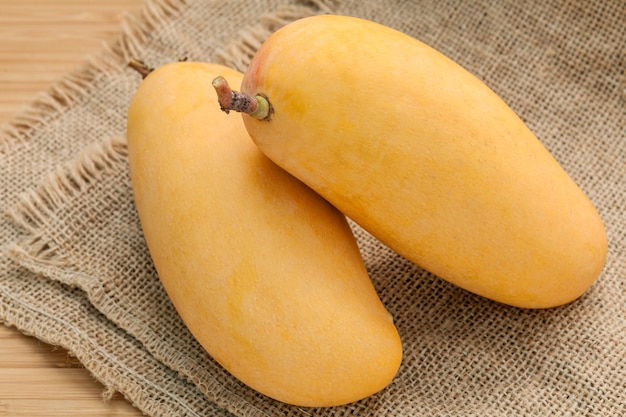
{"x":75,"y":271}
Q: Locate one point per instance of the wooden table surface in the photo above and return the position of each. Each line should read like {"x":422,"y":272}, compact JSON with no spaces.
{"x":40,"y":41}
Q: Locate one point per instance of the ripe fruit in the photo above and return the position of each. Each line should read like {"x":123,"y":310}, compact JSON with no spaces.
{"x":424,"y":156}
{"x":264,"y":272}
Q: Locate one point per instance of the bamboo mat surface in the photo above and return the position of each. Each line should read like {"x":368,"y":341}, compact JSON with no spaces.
{"x":41,"y":41}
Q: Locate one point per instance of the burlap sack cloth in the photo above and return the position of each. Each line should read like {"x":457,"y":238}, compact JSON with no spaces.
{"x":75,"y":271}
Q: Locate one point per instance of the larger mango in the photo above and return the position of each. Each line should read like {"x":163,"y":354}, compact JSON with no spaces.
{"x":265,"y":273}
{"x":424,"y":156}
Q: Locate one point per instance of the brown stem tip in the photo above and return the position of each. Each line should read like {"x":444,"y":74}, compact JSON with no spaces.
{"x":257,"y":107}
{"x":140,"y":67}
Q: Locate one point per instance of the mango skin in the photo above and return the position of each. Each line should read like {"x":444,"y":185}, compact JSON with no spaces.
{"x":264,"y":272}
{"x":427,"y":158}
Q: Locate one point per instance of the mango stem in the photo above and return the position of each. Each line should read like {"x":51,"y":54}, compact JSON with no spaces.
{"x":258,"y":107}
{"x":140,"y":67}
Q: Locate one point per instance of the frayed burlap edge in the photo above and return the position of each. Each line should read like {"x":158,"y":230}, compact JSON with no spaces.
{"x":102,"y":366}
{"x":66,"y":92}
{"x":35,"y":206}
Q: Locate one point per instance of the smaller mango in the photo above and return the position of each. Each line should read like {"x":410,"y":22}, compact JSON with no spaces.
{"x":264,"y":272}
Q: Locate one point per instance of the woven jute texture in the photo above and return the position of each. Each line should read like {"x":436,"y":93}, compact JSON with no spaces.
{"x":75,"y":270}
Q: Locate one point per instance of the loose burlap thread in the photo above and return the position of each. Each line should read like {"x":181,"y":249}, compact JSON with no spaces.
{"x":75,"y":270}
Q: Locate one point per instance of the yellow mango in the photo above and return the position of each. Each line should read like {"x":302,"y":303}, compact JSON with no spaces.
{"x":424,"y":156}
{"x":265,"y":273}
